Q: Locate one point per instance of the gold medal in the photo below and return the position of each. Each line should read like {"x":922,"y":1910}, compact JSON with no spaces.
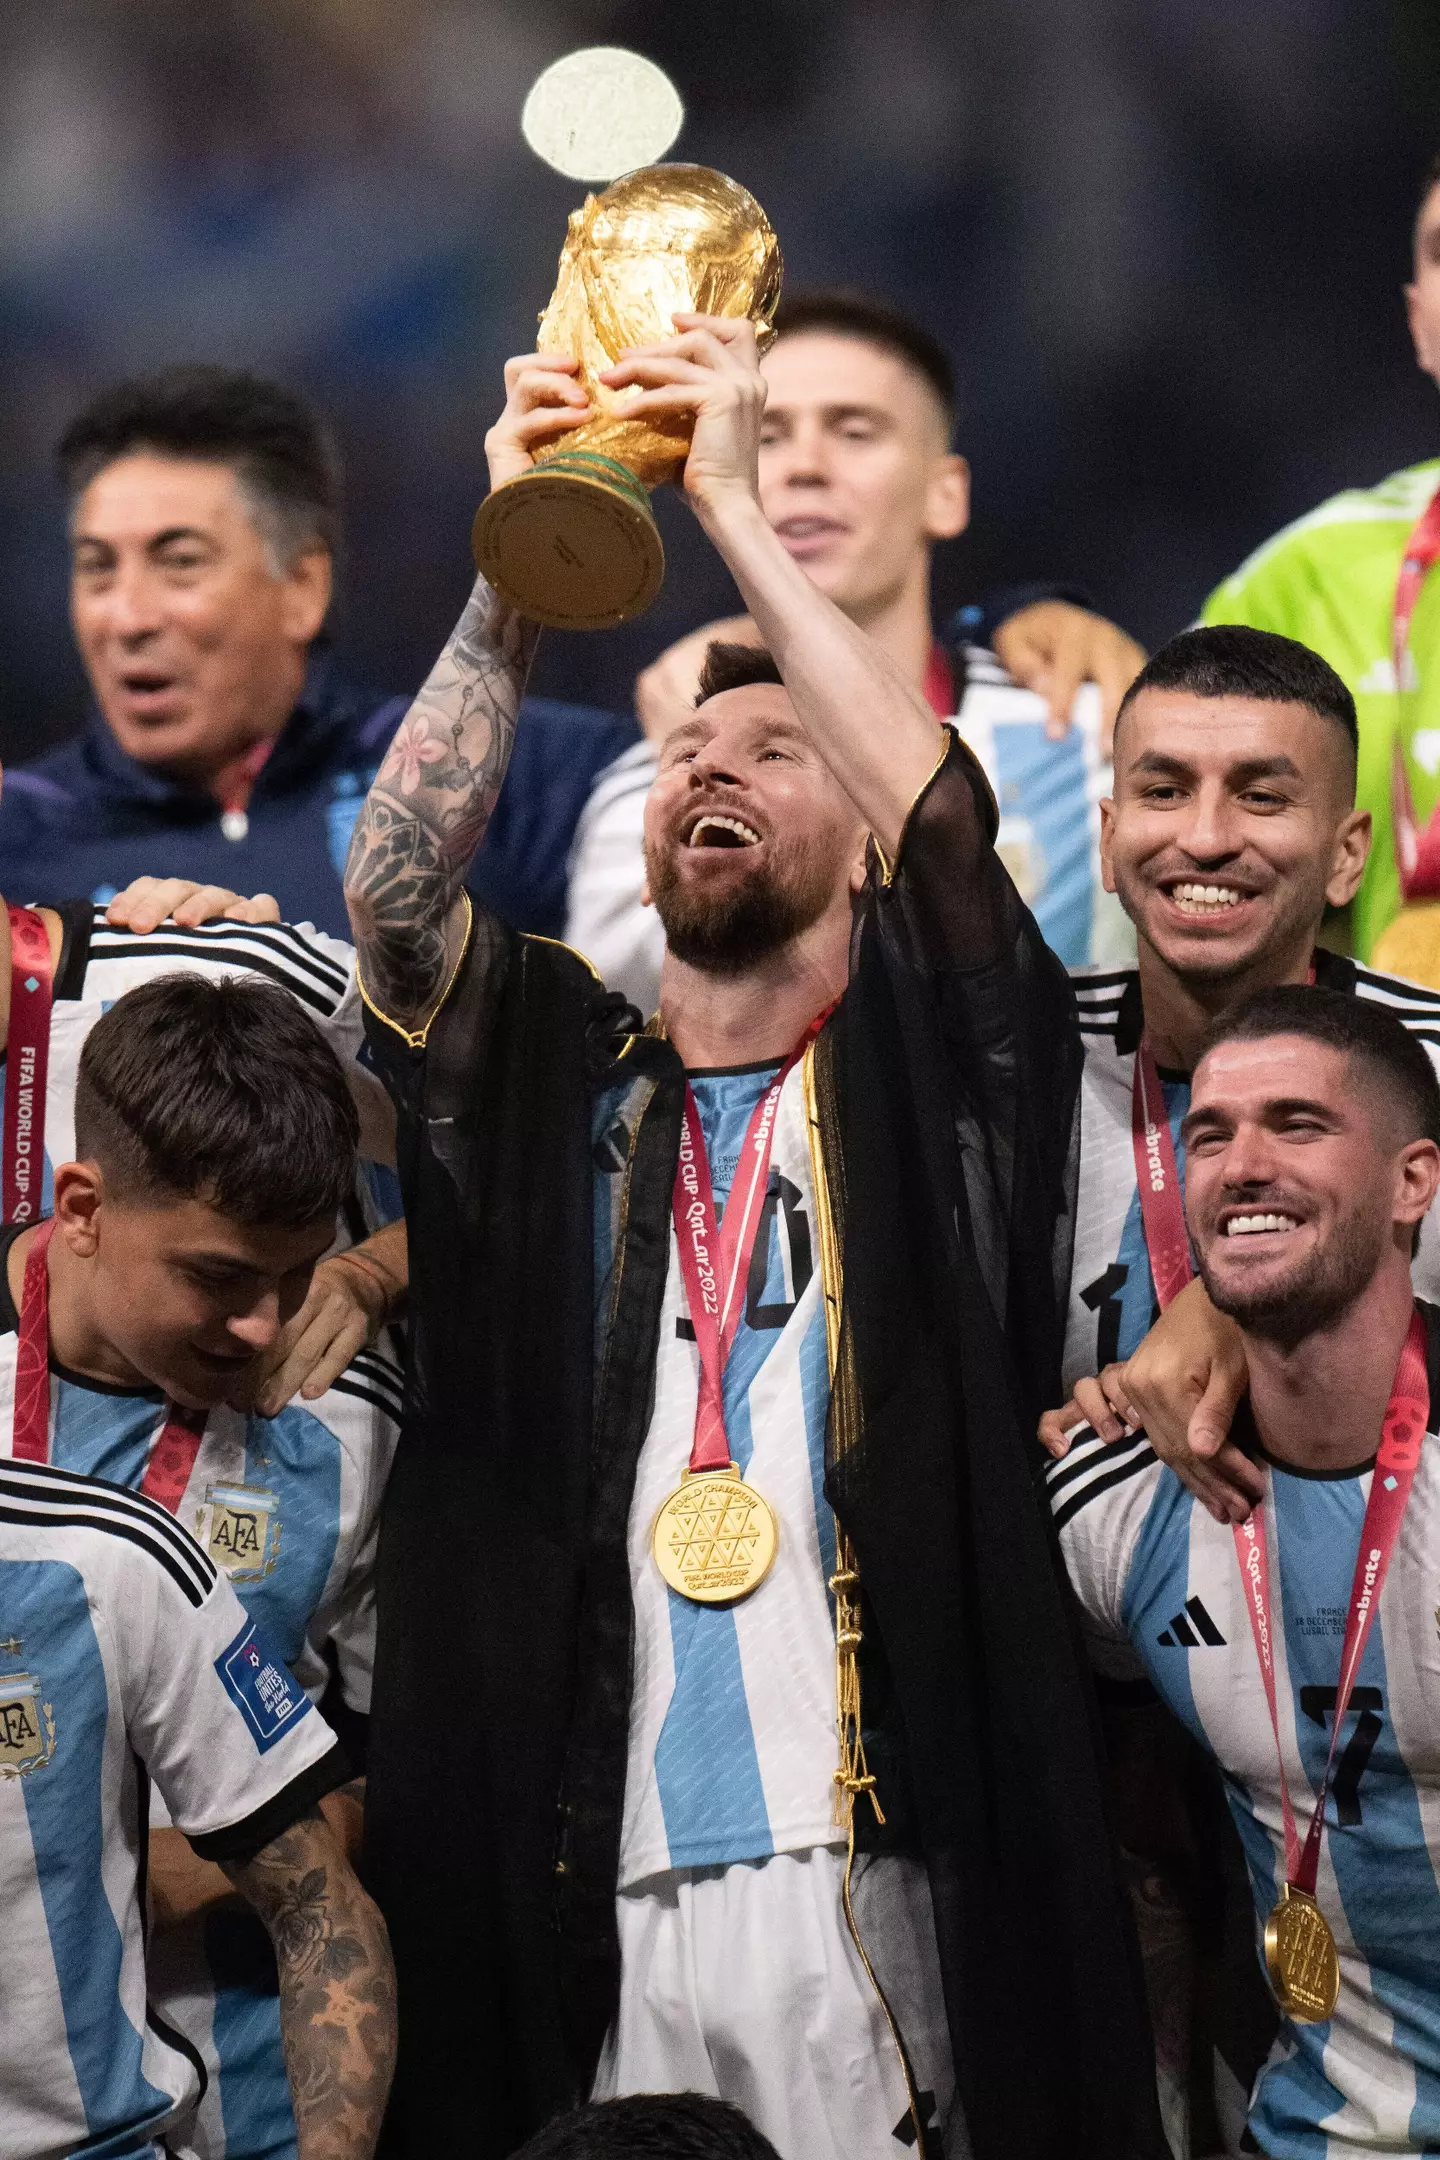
{"x":715,"y":1537}
{"x":1301,"y":1958}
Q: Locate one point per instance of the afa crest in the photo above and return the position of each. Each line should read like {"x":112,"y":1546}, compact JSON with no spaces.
{"x":239,"y":1526}
{"x":27,"y":1726}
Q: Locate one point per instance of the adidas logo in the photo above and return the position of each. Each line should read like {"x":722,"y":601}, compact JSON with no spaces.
{"x":1204,"y":1633}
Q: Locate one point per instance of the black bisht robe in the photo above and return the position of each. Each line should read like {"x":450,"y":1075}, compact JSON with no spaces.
{"x":947,"y":1084}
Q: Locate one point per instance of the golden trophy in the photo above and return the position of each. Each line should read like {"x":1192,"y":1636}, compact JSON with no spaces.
{"x":573,"y":542}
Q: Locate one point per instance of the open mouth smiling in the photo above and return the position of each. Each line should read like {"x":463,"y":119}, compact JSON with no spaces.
{"x":1254,"y":1225}
{"x":719,"y":829}
{"x":1203,"y":901}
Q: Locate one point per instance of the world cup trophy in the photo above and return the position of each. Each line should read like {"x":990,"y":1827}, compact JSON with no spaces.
{"x":573,"y":542}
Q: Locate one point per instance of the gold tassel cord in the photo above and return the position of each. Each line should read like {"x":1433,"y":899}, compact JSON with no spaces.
{"x":852,"y":1776}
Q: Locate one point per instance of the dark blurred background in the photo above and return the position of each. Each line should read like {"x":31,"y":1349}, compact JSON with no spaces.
{"x":1163,"y":240}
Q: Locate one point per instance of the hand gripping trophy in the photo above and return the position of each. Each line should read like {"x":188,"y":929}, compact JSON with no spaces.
{"x":573,"y":543}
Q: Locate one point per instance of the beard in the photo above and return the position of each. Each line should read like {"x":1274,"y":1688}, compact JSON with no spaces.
{"x":727,"y":933}
{"x":1315,"y":1292}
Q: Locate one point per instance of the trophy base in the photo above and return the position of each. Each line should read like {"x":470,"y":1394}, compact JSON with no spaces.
{"x":571,"y":543}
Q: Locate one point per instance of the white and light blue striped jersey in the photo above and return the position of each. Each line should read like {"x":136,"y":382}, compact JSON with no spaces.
{"x":732,"y":1725}
{"x":98,"y":965}
{"x":1159,"y":1583}
{"x":288,"y":1508}
{"x":1049,"y":794}
{"x":123,"y":1652}
{"x":1112,"y":1294}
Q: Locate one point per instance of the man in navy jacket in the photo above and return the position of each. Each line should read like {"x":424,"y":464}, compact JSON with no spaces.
{"x":224,"y":745}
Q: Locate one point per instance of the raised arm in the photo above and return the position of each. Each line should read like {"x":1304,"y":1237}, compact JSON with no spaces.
{"x":431,"y":800}
{"x":877,"y":735}
{"x":337,"y":1987}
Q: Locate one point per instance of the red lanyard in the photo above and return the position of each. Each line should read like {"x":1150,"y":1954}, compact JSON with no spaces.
{"x":715,"y":1262}
{"x":1406,"y":1417}
{"x":172,"y":1456}
{"x":1417,"y":854}
{"x":27,"y":1060}
{"x":1162,"y":1208}
{"x":939,"y":684}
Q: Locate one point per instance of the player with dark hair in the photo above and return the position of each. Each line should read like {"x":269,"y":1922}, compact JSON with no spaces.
{"x":860,"y":479}
{"x":741,"y":1674}
{"x":651,"y":2126}
{"x":225,"y":748}
{"x":1232,"y":827}
{"x":214,"y":1148}
{"x":1298,"y":1645}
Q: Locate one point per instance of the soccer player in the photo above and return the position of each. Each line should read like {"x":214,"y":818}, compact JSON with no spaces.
{"x":747,"y":1694}
{"x":1233,"y":824}
{"x":1351,"y":579}
{"x":62,"y":966}
{"x":213,"y":1143}
{"x":1299,"y":1646}
{"x":129,"y":1671}
{"x":859,"y":480}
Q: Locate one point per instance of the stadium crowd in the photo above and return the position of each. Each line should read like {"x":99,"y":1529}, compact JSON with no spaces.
{"x":709,"y":1535}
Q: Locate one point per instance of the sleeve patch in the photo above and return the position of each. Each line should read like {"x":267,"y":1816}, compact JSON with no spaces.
{"x":261,"y":1686}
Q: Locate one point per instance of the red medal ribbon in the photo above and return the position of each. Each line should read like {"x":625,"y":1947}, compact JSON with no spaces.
{"x":1406,"y":1417}
{"x":1157,"y":1173}
{"x":173,"y":1453}
{"x":1417,"y":854}
{"x":715,"y":1262}
{"x":27,"y":1061}
{"x":939,"y":684}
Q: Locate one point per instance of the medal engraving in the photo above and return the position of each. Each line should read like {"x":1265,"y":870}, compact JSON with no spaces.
{"x":1301,"y":1959}
{"x":27,"y":1726}
{"x":715,"y":1537}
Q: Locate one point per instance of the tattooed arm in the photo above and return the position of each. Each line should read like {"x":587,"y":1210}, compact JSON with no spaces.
{"x":337,"y":1987}
{"x":431,"y":800}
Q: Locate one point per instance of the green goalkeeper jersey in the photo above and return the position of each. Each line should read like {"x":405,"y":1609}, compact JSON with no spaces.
{"x":1329,"y":580}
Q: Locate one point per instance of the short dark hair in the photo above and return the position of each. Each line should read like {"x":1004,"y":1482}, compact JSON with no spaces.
{"x":734,"y":667}
{"x":842,"y":313}
{"x":1232,"y":660}
{"x":651,"y":2126}
{"x":1361,"y":1030}
{"x":224,"y":1092}
{"x":280,"y":451}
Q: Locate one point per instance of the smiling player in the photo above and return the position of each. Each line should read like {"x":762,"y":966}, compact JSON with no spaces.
{"x":215,"y":1138}
{"x":1233,"y":823}
{"x":860,"y":483}
{"x":1299,"y":1647}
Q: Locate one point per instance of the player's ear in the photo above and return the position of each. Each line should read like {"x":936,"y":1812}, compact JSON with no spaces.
{"x":1352,"y":851}
{"x":1417,"y":1179}
{"x":947,"y":498}
{"x":79,"y":1196}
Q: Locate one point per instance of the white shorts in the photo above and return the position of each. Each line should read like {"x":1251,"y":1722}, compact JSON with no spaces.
{"x":743,"y":1982}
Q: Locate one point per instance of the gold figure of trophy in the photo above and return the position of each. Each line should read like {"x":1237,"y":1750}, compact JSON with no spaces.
{"x":573,"y":542}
